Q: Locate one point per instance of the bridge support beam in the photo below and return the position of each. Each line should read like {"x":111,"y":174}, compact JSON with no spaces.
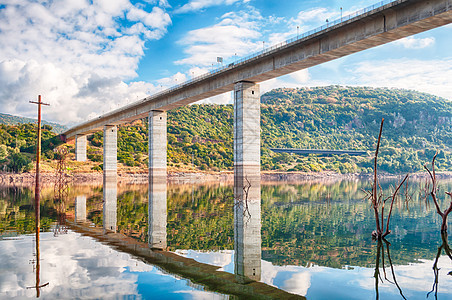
{"x":247,"y":187}
{"x":80,"y":147}
{"x":110,"y":152}
{"x":157,"y":180}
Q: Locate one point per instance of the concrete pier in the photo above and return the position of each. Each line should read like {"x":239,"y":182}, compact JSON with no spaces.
{"x":110,"y":151}
{"x":80,"y":208}
{"x":80,"y":148}
{"x":110,"y":203}
{"x":157,"y":209}
{"x":247,"y":187}
{"x":247,"y":127}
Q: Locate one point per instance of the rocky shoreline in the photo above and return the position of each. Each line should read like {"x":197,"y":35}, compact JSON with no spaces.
{"x":96,"y":178}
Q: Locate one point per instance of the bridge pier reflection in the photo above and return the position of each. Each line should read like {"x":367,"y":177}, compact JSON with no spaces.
{"x":110,"y":203}
{"x":247,"y":182}
{"x":247,"y":225}
{"x":157,"y":213}
{"x":80,"y":208}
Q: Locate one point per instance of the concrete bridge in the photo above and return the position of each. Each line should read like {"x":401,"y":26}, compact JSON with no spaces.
{"x":373,"y":26}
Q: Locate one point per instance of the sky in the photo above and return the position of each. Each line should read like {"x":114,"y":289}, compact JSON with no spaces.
{"x":87,"y":58}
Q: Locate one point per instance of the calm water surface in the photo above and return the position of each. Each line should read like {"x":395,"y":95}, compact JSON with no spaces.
{"x":315,"y":242}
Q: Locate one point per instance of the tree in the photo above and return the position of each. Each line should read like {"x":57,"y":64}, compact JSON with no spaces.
{"x":3,"y":151}
{"x":19,"y":162}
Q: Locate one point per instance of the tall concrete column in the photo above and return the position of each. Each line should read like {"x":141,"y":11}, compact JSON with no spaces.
{"x":157,"y":180}
{"x":247,"y":135}
{"x":80,"y":208}
{"x":80,"y":147}
{"x":247,"y":186}
{"x":110,"y":151}
{"x":110,"y":203}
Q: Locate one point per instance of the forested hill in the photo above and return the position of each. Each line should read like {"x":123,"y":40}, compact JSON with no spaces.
{"x":333,"y":117}
{"x":15,"y":120}
{"x":413,"y":119}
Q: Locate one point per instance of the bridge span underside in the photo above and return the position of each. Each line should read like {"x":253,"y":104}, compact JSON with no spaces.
{"x":381,"y":25}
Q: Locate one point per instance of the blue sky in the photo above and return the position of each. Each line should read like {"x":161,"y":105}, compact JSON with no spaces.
{"x":89,"y":57}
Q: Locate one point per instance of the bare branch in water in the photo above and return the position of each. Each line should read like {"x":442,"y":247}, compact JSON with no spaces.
{"x":243,"y":199}
{"x":375,"y":183}
{"x":446,"y":212}
{"x":392,"y":203}
{"x":378,"y":201}
{"x":445,"y":246}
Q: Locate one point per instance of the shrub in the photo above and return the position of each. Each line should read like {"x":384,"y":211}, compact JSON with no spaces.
{"x":97,"y":168}
{"x":19,"y":162}
{"x":3,"y":151}
{"x":50,"y":154}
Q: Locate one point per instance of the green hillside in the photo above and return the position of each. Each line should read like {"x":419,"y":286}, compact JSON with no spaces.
{"x":330,"y":117}
{"x":333,"y":117}
{"x":15,"y":120}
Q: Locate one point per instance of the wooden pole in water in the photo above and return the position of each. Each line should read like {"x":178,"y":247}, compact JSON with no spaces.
{"x":37,"y":194}
{"x":38,"y":158}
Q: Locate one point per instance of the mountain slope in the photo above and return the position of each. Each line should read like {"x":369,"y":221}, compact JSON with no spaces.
{"x":14,"y":120}
{"x":332,"y":117}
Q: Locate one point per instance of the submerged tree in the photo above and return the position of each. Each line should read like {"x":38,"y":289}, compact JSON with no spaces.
{"x":446,"y":212}
{"x":378,"y":200}
{"x":443,"y":214}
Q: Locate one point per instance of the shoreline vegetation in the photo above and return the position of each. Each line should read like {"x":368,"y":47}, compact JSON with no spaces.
{"x":139,"y":178}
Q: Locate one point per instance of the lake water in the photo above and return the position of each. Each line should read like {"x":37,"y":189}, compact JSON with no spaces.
{"x":314,"y":242}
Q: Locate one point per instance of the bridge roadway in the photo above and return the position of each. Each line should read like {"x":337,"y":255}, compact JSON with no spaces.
{"x":374,"y":26}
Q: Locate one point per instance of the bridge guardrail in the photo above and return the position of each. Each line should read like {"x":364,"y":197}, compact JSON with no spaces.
{"x":265,"y":51}
{"x":279,"y":45}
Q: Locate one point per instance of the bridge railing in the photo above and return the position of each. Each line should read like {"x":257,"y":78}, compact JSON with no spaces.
{"x":274,"y":47}
{"x":278,"y":46}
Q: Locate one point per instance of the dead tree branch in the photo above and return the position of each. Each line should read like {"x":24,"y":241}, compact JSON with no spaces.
{"x":375,"y":183}
{"x":377,"y":198}
{"x":392,"y":203}
{"x":446,"y":212}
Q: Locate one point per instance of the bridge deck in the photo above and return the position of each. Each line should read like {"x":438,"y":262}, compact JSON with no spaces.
{"x":372,"y":28}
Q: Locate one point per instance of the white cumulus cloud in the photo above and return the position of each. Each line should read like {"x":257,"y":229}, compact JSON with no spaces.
{"x":415,"y":43}
{"x":430,"y":76}
{"x":77,"y":54}
{"x":233,"y":37}
{"x":196,"y":5}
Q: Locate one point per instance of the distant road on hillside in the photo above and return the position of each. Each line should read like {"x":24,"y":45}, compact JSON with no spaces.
{"x":316,"y":151}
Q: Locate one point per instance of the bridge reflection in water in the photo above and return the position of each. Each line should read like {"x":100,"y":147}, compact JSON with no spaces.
{"x":247,"y":224}
{"x":110,"y":194}
{"x":247,"y":239}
